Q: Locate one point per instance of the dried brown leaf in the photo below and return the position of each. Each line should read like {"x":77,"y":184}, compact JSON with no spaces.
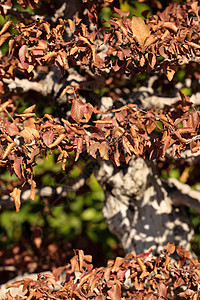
{"x":74,"y":50}
{"x":29,"y":134}
{"x":15,"y":194}
{"x":170,"y":26}
{"x":30,"y":109}
{"x":78,"y":109}
{"x":49,"y":55}
{"x":149,"y":41}
{"x":142,"y":61}
{"x":79,"y":148}
{"x":169,"y":70}
{"x":179,"y":282}
{"x":48,"y":137}
{"x":17,"y":165}
{"x":104,"y":150}
{"x":8,"y":149}
{"x":22,"y":56}
{"x":122,"y":13}
{"x":93,"y":148}
{"x":119,"y":36}
{"x":57,"y":141}
{"x":5,"y":26}
{"x":162,"y":290}
{"x":31,"y":294}
{"x":141,"y":264}
{"x":4,"y":37}
{"x":69,"y":90}
{"x":71,"y":25}
{"x":80,"y":259}
{"x":117,"y":156}
{"x":118,"y":262}
{"x":115,"y":292}
{"x":33,"y":190}
{"x":26,"y":283}
{"x":151,"y":58}
{"x":193,"y":45}
{"x":121,"y":115}
{"x":166,"y":144}
{"x":140,"y":30}
{"x":11,"y":129}
{"x":170,"y":248}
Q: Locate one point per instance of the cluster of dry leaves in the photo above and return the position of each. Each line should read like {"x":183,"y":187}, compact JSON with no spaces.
{"x":115,"y":135}
{"x":128,"y":45}
{"x":133,"y":277}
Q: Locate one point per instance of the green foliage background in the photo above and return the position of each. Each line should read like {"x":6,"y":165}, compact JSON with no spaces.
{"x":75,"y":215}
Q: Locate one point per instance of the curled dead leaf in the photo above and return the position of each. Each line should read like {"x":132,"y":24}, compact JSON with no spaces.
{"x":7,"y":150}
{"x":15,"y":194}
{"x":169,"y":69}
{"x":57,"y":141}
{"x":23,"y":51}
{"x":29,"y":134}
{"x":170,"y":26}
{"x":4,"y":37}
{"x":5,"y":26}
{"x":30,"y":109}
{"x":170,"y":248}
{"x":33,"y":188}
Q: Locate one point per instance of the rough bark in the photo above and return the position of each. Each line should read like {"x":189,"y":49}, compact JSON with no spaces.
{"x":139,"y":207}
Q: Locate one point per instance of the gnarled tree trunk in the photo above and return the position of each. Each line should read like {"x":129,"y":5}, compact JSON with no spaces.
{"x":139,"y":207}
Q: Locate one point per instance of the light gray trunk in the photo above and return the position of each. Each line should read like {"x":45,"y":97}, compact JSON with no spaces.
{"x":139,"y":207}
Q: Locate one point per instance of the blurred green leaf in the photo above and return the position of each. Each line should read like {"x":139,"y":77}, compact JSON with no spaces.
{"x":135,"y":7}
{"x":187,"y":91}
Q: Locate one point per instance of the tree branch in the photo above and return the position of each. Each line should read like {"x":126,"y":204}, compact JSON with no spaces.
{"x":182,"y":194}
{"x":139,"y":206}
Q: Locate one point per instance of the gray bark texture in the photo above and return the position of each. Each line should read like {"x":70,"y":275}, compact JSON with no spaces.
{"x":139,"y":207}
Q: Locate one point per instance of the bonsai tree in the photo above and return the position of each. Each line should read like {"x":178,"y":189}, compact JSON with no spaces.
{"x":120,"y":107}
